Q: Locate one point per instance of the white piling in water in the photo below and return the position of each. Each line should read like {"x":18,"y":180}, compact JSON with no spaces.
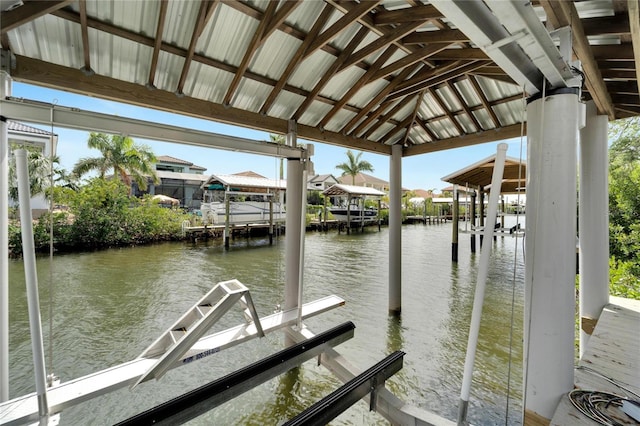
{"x":483,"y":271}
{"x":31,"y":278}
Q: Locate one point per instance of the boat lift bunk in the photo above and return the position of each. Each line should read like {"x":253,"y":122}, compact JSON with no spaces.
{"x":181,"y":344}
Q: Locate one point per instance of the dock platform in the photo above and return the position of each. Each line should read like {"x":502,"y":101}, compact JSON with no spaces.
{"x":613,"y":352}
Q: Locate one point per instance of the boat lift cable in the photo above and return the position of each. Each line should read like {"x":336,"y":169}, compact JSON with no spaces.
{"x":515,"y":264}
{"x":51,"y":203}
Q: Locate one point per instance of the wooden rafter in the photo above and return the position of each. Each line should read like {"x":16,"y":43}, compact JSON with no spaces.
{"x":410,"y":14}
{"x":391,"y":133}
{"x":466,"y":54}
{"x":30,"y":70}
{"x":413,"y":118}
{"x":204,"y":14}
{"x":445,"y":109}
{"x":297,"y":57}
{"x":468,"y":140}
{"x":483,"y":100}
{"x":180,"y":52}
{"x":410,"y":59}
{"x":380,"y":96}
{"x":343,"y":23}
{"x":634,"y":19}
{"x":380,"y":30}
{"x":162,"y":15}
{"x":612,"y":25}
{"x":463,"y":104}
{"x":440,"y":78}
{"x":362,"y":81}
{"x":333,"y":69}
{"x":379,"y":43}
{"x":560,"y":14}
{"x":440,"y":36}
{"x":371,"y":116}
{"x":270,"y":22}
{"x":85,"y":35}
{"x":427,"y":130}
{"x":29,"y":11}
{"x":383,"y":118}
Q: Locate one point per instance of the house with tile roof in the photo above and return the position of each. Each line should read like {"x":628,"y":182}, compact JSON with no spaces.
{"x":363,"y":179}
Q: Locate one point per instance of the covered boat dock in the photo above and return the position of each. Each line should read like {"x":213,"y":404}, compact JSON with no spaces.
{"x":353,"y":209}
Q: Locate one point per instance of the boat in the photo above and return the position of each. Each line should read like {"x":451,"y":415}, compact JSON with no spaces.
{"x":249,"y":199}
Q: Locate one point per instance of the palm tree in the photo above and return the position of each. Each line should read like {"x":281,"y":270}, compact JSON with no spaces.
{"x":121,"y":154}
{"x":354,"y":166}
{"x":40,"y":168}
{"x":280,"y":140}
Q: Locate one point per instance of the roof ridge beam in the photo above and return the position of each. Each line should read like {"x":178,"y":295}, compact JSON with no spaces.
{"x":162,"y":16}
{"x":408,"y":14}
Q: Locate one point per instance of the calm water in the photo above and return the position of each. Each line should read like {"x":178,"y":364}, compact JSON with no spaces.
{"x":110,"y":305}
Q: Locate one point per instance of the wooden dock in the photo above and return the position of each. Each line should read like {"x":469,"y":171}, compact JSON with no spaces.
{"x":204,"y":232}
{"x":613,"y":351}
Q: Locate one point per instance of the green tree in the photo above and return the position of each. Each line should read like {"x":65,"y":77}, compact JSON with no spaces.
{"x":40,"y":168}
{"x":354,"y":165}
{"x":121,"y":154}
{"x":624,"y":207}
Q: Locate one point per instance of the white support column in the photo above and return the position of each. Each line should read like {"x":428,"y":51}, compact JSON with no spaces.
{"x":395,"y":230}
{"x":550,"y":266}
{"x":293,"y":234}
{"x":5,"y":90}
{"x":593,"y":219}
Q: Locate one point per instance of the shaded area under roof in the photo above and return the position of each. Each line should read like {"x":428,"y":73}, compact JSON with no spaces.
{"x":341,"y":189}
{"x":478,"y":175}
{"x":246,"y":183}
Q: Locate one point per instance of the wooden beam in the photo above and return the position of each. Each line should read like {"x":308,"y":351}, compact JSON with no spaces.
{"x":439,"y":36}
{"x":373,"y":115}
{"x":410,"y":59}
{"x":466,"y":54}
{"x":445,"y":109}
{"x":297,"y":58}
{"x":414,"y":114}
{"x":85,"y":35}
{"x":380,"y":96}
{"x":440,"y":78}
{"x":621,"y":52}
{"x":328,"y":75}
{"x":30,"y":10}
{"x":561,"y":14}
{"x":162,"y":15}
{"x":46,"y":74}
{"x":464,"y":105}
{"x":634,"y":19}
{"x":343,"y":23}
{"x":608,"y":25}
{"x":483,"y":100}
{"x":254,"y":44}
{"x":492,"y":135}
{"x":427,"y":130}
{"x":383,"y":119}
{"x":204,"y":14}
{"x":403,"y":125}
{"x":362,"y":81}
{"x":409,"y":14}
{"x":379,"y":43}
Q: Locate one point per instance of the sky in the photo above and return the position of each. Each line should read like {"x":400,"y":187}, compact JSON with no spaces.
{"x":418,"y":172}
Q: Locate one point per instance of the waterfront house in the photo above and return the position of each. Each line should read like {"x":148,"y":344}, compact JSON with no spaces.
{"x":179,"y":179}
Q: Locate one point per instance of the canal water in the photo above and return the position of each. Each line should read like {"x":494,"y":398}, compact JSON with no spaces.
{"x":108,"y":306}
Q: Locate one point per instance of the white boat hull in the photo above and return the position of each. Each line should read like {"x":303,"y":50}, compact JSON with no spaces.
{"x":244,"y":212}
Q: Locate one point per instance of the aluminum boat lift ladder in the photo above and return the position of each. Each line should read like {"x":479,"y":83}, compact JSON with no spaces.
{"x":174,"y":343}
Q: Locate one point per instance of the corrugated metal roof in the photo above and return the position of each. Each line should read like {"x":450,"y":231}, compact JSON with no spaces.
{"x":248,"y":182}
{"x":342,"y":189}
{"x":121,"y":47}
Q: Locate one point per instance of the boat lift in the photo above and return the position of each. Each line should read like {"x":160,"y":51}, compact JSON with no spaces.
{"x":181,"y":344}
